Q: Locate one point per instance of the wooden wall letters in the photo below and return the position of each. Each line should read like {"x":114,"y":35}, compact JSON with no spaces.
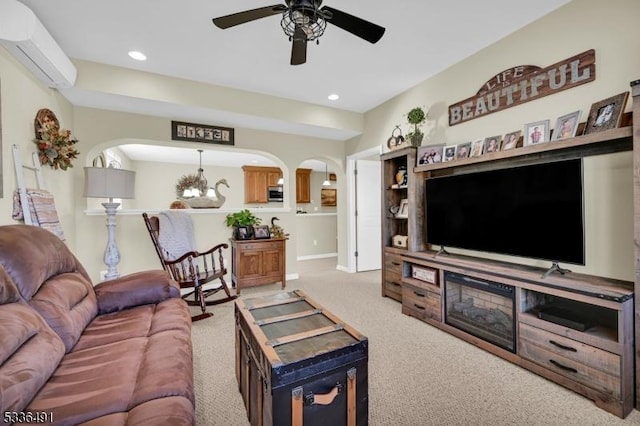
{"x":524,"y":83}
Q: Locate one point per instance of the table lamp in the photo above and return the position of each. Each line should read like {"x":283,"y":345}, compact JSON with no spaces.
{"x":100,"y":182}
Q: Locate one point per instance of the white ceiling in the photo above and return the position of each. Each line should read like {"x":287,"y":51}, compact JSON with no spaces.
{"x":422,"y":38}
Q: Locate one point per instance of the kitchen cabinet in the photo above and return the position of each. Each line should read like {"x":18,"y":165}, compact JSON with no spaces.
{"x":256,"y":181}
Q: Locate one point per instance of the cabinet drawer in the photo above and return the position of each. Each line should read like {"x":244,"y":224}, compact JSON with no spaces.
{"x":393,"y":287}
{"x":394,"y":277}
{"x":590,"y":366}
{"x":420,"y":303}
{"x":393,"y":263}
{"x":259,"y":246}
{"x":579,"y":352}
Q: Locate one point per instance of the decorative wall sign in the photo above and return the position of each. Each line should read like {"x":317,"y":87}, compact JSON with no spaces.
{"x":192,"y":132}
{"x":524,"y":83}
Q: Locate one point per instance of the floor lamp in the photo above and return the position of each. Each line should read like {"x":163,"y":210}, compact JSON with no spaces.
{"x":100,"y":182}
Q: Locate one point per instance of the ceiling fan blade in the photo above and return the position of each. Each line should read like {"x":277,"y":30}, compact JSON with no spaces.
{"x":356,"y":26}
{"x":232,"y":20}
{"x":299,"y":47}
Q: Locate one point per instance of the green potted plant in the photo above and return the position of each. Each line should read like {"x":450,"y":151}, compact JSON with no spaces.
{"x":242,"y":223}
{"x":416,"y":117}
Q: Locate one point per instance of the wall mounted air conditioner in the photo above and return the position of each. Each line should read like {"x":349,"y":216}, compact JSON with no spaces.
{"x":22,"y":33}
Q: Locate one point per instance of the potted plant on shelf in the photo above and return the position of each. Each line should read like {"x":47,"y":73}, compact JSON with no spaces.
{"x":416,"y":117}
{"x":242,"y":223}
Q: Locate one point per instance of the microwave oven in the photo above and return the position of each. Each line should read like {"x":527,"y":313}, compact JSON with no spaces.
{"x":274,"y":193}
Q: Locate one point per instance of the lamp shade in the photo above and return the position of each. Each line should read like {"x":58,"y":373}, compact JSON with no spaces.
{"x":101,"y":182}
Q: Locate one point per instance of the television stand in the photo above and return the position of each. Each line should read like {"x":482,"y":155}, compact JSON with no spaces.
{"x":555,"y":268}
{"x":441,"y":251}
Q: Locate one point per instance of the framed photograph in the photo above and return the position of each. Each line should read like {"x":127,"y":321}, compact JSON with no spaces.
{"x":511,"y":140}
{"x":492,"y":144}
{"x":463,"y":150}
{"x":261,"y":232}
{"x":328,"y":197}
{"x":192,"y":132}
{"x":403,"y":211}
{"x":449,"y":153}
{"x":566,"y":126}
{"x":606,"y":114}
{"x":430,"y":154}
{"x":536,"y":132}
{"x":243,"y":233}
{"x":477,"y":148}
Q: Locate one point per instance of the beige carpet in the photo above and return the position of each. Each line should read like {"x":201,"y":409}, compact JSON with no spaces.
{"x":418,"y":375}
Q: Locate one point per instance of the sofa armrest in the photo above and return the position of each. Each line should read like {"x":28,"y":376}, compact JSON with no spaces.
{"x":140,"y":288}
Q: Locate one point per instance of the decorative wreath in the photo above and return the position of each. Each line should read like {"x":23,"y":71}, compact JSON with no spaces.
{"x":55,"y":145}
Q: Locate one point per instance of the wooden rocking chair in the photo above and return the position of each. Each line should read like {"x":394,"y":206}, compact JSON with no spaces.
{"x":195,"y":272}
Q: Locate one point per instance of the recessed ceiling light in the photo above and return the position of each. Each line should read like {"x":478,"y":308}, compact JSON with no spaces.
{"x":333,"y":97}
{"x":138,"y":56}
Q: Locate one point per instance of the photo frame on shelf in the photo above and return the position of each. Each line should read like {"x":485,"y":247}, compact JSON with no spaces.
{"x":261,"y":232}
{"x":536,"y":132}
{"x":606,"y":114}
{"x":566,"y":126}
{"x":449,"y":153}
{"x":492,"y":144}
{"x":403,"y":210}
{"x":463,"y":150}
{"x":243,"y":232}
{"x":477,"y":148}
{"x":511,"y":140}
{"x":430,"y":154}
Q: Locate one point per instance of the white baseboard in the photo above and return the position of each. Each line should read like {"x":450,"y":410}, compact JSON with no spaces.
{"x":293,"y":276}
{"x":342,"y":268}
{"x":317,"y":256}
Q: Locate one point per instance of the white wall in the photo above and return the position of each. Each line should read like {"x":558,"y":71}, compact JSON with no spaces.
{"x":608,"y":27}
{"x":21,"y":96}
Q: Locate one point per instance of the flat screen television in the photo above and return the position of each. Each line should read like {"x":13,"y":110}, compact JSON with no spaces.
{"x":533,"y":211}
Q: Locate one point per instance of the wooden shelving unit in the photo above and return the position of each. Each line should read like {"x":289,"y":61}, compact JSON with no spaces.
{"x":411,"y":226}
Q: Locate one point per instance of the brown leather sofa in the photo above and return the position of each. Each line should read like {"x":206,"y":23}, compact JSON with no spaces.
{"x":118,"y":353}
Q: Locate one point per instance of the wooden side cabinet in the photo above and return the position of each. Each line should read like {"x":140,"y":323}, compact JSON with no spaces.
{"x":258,"y":262}
{"x":257,"y":180}
{"x":303,"y":185}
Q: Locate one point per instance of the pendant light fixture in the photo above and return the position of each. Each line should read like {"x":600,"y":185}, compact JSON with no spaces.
{"x":199,"y":186}
{"x":326,"y":177}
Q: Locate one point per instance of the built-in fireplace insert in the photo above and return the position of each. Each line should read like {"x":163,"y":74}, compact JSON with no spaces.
{"x":482,"y":308}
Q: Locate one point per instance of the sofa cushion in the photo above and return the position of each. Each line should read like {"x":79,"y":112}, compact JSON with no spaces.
{"x":32,"y":255}
{"x":173,"y":410}
{"x":97,"y":380}
{"x":68,"y":304}
{"x":135,"y":289}
{"x":29,"y":352}
{"x":142,"y":321}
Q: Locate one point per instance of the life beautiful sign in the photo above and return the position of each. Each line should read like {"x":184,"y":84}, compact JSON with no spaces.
{"x":524,"y":83}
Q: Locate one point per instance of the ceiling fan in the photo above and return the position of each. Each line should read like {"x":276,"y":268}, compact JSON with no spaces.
{"x":303,"y":21}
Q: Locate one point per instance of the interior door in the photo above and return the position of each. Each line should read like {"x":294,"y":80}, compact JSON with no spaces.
{"x":368,"y":221}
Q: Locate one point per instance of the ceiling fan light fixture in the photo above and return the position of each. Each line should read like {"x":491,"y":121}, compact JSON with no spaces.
{"x":310,"y":20}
